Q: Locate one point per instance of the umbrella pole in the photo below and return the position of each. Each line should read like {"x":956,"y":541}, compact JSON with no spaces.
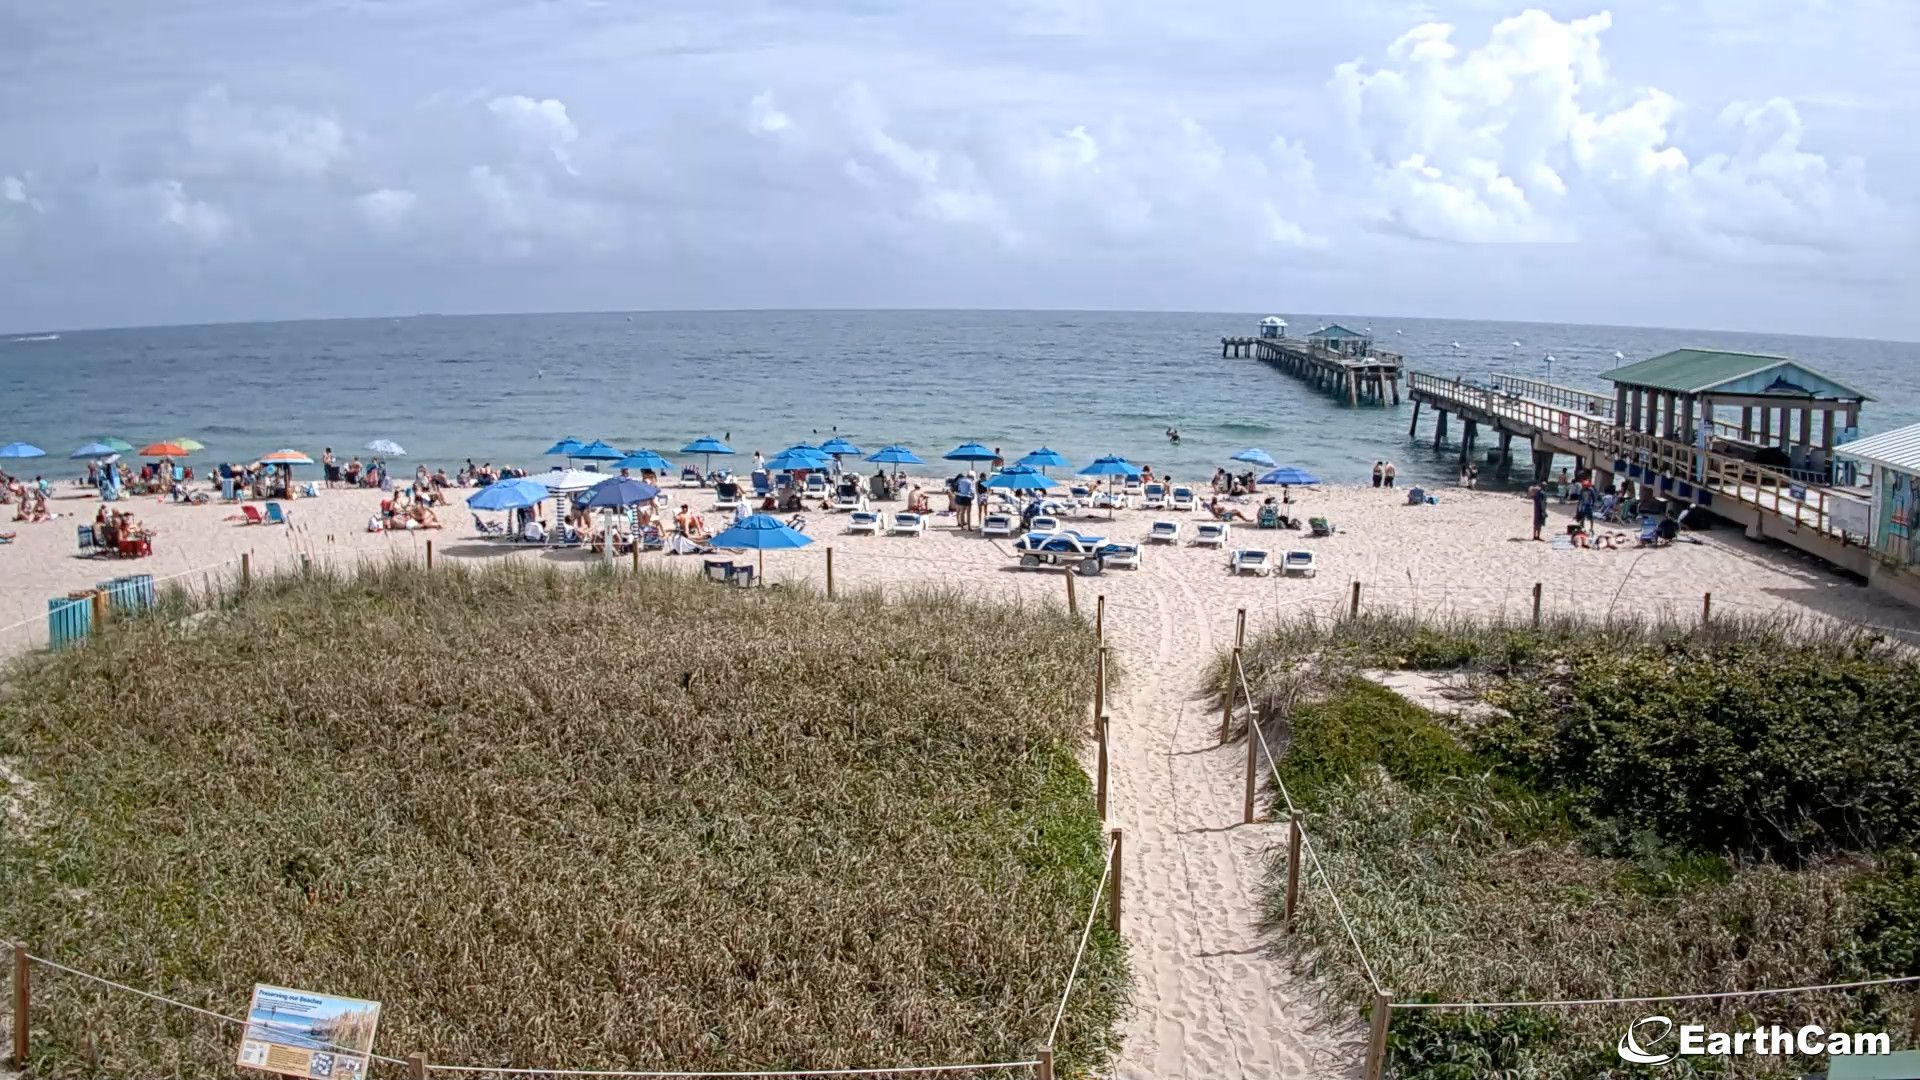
{"x":762,"y":576}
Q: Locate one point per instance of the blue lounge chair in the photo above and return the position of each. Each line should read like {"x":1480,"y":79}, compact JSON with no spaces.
{"x":276,"y":515}
{"x":762,"y":484}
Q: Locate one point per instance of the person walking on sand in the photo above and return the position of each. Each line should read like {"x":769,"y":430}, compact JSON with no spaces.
{"x":1538,"y":494}
{"x":1379,"y":473}
{"x":1389,"y":472}
{"x":1584,"y":508}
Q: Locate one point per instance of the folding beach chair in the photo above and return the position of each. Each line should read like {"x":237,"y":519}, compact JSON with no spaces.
{"x":252,"y":514}
{"x":276,"y":515}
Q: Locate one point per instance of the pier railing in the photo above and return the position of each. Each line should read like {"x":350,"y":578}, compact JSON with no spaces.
{"x":1729,"y":477}
{"x":1591,"y":403}
{"x":1566,"y":423}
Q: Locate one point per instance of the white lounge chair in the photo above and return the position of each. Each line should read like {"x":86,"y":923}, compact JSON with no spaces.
{"x":845,"y":503}
{"x":1163,"y":532}
{"x":997,"y":525}
{"x":816,"y":486}
{"x":726,"y":496}
{"x":1210,"y":534}
{"x":1110,"y":500}
{"x":1250,"y":561}
{"x":1042,"y":523}
{"x":1181,"y":499}
{"x":1127,"y":555}
{"x":1153,"y":497}
{"x":907,"y":523}
{"x":1300,"y":562}
{"x":865,"y":521}
{"x":1081,"y":493}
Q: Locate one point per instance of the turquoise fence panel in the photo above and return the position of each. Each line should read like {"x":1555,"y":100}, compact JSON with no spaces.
{"x":68,"y":621}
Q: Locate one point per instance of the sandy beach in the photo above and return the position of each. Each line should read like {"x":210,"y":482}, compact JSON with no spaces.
{"x":1209,"y":1002}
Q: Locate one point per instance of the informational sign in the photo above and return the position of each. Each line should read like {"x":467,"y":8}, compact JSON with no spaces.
{"x":299,"y":1033}
{"x":1848,"y":515}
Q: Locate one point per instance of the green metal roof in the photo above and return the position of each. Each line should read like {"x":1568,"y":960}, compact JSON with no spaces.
{"x":1334,"y":332}
{"x":1699,"y":371}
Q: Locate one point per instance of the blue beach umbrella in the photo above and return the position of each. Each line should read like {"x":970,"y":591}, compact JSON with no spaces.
{"x":708,"y":445}
{"x":808,"y":450}
{"x":796,"y":458}
{"x":840,"y":447}
{"x":517,"y":493}
{"x":387,"y":448}
{"x":970,"y":451}
{"x":762,"y":533}
{"x":599,"y":451}
{"x":1256,"y":456}
{"x":1020,"y":478}
{"x":644,"y":460}
{"x":120,"y":446}
{"x":93,"y":450}
{"x":895,"y":455}
{"x":1111,"y":465}
{"x":21,"y":450}
{"x":566,"y":447}
{"x":1288,"y":474}
{"x":1045,"y":458}
{"x":617,"y":493}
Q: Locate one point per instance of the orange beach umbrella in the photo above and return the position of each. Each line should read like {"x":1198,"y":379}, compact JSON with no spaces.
{"x":164,"y":449}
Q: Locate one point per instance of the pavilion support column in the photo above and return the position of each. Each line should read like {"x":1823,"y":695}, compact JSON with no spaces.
{"x":1666,"y":414}
{"x":1746,"y":423}
{"x":1620,"y":405}
{"x":1806,"y":427}
{"x":1632,"y":421}
{"x":1685,"y":431}
{"x":1766,"y":427}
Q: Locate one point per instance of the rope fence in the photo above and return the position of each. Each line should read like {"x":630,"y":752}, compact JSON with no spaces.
{"x":1300,"y":843}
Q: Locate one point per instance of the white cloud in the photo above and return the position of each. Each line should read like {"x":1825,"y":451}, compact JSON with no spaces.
{"x":224,"y":138}
{"x":542,"y":124}
{"x":521,"y":209}
{"x":13,"y":192}
{"x":1516,"y":139}
{"x":764,"y":116}
{"x":386,"y":208}
{"x":200,"y":223}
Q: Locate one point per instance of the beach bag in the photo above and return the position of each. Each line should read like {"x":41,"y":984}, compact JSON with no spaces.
{"x":374,"y":525}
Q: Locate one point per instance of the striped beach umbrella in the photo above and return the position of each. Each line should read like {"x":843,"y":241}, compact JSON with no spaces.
{"x":284,"y":457}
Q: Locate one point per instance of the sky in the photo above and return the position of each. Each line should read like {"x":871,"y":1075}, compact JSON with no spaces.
{"x":1739,"y":164}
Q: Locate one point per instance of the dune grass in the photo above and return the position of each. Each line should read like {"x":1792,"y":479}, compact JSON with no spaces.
{"x":585,"y":820}
{"x":1589,"y":840}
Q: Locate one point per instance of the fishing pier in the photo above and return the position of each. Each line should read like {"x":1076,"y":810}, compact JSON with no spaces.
{"x":1333,"y":359}
{"x":1772,"y":472}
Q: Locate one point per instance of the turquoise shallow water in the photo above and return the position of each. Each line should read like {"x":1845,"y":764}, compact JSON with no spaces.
{"x":502,"y":388}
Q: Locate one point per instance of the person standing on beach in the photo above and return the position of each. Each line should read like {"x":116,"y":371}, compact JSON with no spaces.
{"x":1379,"y":473}
{"x":1389,"y":472}
{"x":963,"y":500}
{"x":1539,"y":496}
{"x":1583,"y":510}
{"x":329,"y":468}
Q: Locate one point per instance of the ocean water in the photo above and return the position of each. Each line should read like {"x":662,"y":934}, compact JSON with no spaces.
{"x":502,"y":388}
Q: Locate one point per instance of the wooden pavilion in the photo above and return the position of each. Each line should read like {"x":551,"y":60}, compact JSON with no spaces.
{"x":1341,"y":341}
{"x":1790,"y":416}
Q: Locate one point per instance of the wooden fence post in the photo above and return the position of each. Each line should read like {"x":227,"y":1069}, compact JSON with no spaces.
{"x":1536,"y":605}
{"x":22,"y":1000}
{"x":1044,"y":1070}
{"x":636,"y":554}
{"x":246,"y":569}
{"x":1377,"y":1036}
{"x":1233,"y":693}
{"x":1253,"y":764}
{"x":416,"y":1067}
{"x":430,"y":554}
{"x":1239,"y":627}
{"x":1073,"y":602}
{"x":1706,"y":608}
{"x":1113,"y":885}
{"x":100,"y":610}
{"x":1294,"y":835}
{"x":1353,"y":609}
{"x":1100,"y":683}
{"x":1100,"y":766}
{"x":1100,"y":618}
{"x":829,"y":571}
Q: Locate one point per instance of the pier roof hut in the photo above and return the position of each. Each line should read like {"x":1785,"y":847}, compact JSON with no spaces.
{"x":1341,"y":341}
{"x":1790,"y":415}
{"x":1894,"y":457}
{"x":1273,"y":326}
